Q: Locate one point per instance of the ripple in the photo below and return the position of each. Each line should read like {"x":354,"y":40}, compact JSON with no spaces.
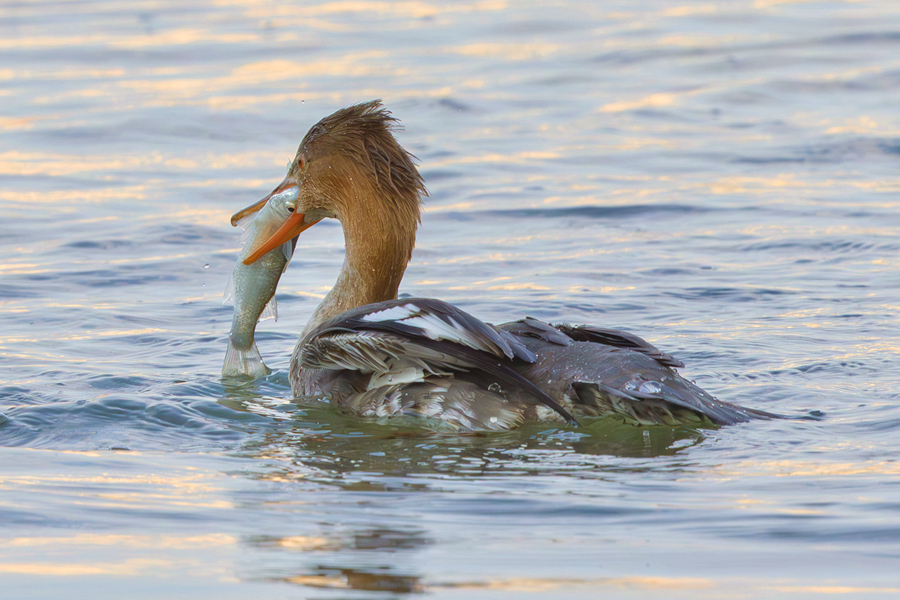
{"x":589,"y":212}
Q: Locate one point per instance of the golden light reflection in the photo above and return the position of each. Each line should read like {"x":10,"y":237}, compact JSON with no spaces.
{"x":519,"y":286}
{"x":184,"y":486}
{"x":200,"y":215}
{"x":460,"y":206}
{"x":167,"y":38}
{"x":62,"y":73}
{"x":765,"y":185}
{"x":771,"y":3}
{"x":319,"y":581}
{"x":269,"y":9}
{"x":245,"y":102}
{"x":508,"y":51}
{"x":145,"y":501}
{"x":514,"y":158}
{"x":14,"y":162}
{"x":130,"y":541}
{"x":136,"y":192}
{"x":523,"y":584}
{"x":862,"y":125}
{"x":18,"y":123}
{"x":161,"y":91}
{"x":797,"y":468}
{"x":689,"y":10}
{"x":128,"y":568}
{"x":238,"y":102}
{"x":308,"y":543}
{"x":652,"y":101}
{"x":833,"y":589}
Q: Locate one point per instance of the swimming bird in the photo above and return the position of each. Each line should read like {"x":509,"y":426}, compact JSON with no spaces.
{"x":376,"y":355}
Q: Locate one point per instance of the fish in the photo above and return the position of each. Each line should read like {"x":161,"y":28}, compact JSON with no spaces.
{"x":252,"y":287}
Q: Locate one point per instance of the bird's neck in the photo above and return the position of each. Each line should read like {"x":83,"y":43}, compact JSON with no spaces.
{"x":378,"y":248}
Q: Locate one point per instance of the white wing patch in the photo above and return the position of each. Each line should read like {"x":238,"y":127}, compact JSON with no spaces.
{"x":394,"y":313}
{"x":432,"y":326}
{"x":438,"y":329}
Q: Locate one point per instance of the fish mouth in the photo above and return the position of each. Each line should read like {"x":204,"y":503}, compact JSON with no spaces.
{"x":256,"y":206}
{"x":292,"y":227}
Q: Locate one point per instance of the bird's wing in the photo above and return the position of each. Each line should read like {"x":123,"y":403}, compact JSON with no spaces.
{"x":413,"y":338}
{"x":658,"y":407}
{"x":618,"y":339}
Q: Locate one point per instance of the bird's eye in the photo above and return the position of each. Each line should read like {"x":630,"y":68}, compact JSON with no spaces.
{"x":301,"y":161}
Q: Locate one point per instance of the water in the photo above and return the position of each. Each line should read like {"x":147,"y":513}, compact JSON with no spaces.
{"x":720,"y":178}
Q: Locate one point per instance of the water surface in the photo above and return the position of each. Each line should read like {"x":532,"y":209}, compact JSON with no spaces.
{"x":720,"y":178}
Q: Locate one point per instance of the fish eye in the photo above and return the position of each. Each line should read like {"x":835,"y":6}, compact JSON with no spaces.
{"x":290,"y":209}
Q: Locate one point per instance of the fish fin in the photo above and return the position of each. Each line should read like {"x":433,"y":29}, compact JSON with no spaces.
{"x":270,"y":310}
{"x":244,"y":362}
{"x":228,"y":296}
{"x":249,"y":233}
{"x":288,"y":249}
{"x":244,"y":223}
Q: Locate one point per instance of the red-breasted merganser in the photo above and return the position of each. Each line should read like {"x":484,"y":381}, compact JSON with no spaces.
{"x":372,"y":354}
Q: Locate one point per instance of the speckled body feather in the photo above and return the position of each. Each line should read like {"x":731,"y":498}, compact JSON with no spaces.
{"x":472,"y":376}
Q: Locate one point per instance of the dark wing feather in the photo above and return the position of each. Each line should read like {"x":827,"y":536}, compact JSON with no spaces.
{"x":426,"y":330}
{"x":618,"y":339}
{"x":434,"y":319}
{"x":720,"y":413}
{"x":533,"y":328}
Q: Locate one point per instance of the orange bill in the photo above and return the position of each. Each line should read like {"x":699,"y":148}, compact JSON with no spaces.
{"x":294,"y":225}
{"x":246,"y":211}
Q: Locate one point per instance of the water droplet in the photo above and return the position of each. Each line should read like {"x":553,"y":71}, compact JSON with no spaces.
{"x":206,"y":266}
{"x":493,"y":419}
{"x":202,"y":285}
{"x":302,"y":101}
{"x":494,"y":387}
{"x":650,"y":387}
{"x":629,"y":386}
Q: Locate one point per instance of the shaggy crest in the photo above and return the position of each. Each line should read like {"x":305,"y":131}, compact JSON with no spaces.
{"x":363,"y":133}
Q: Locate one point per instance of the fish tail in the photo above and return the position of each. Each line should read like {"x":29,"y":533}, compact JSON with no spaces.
{"x":244,"y":362}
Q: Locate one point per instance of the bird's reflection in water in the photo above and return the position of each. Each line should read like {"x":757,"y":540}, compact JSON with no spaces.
{"x":358,"y":579}
{"x":347,"y":493}
{"x":346,"y":547}
{"x":318,"y":443}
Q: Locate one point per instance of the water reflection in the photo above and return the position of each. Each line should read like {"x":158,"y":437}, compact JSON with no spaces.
{"x":334,"y":548}
{"x":314,"y":441}
{"x":356,"y":579}
{"x":718,"y":177}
